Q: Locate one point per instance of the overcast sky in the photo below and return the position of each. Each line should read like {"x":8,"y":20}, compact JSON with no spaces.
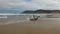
{"x":30,"y":4}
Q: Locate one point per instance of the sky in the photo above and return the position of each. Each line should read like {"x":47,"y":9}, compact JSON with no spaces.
{"x":30,"y":4}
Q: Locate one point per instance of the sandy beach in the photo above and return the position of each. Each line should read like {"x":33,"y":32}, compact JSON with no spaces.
{"x":41,"y":26}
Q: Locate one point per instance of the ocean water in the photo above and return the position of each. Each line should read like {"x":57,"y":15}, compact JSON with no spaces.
{"x":16,"y":17}
{"x":8,"y":18}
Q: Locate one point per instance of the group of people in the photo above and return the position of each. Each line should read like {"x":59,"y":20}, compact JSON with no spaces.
{"x":34,"y":18}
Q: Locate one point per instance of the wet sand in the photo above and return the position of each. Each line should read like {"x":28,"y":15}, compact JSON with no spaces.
{"x":41,"y":26}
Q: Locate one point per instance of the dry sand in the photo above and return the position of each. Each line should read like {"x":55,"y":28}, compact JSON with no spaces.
{"x":41,"y":26}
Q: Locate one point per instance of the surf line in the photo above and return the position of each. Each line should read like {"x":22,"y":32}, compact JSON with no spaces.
{"x":12,"y":22}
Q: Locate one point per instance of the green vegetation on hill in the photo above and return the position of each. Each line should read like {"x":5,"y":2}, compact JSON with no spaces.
{"x":41,"y":11}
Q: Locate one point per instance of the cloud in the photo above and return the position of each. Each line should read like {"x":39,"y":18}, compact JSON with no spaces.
{"x":30,"y":4}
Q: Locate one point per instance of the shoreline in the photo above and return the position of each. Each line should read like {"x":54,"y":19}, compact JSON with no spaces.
{"x":41,"y":26}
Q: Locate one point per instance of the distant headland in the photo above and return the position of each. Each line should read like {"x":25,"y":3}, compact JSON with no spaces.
{"x":40,"y":11}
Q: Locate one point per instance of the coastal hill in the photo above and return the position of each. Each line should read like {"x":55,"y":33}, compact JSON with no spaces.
{"x":40,"y":11}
